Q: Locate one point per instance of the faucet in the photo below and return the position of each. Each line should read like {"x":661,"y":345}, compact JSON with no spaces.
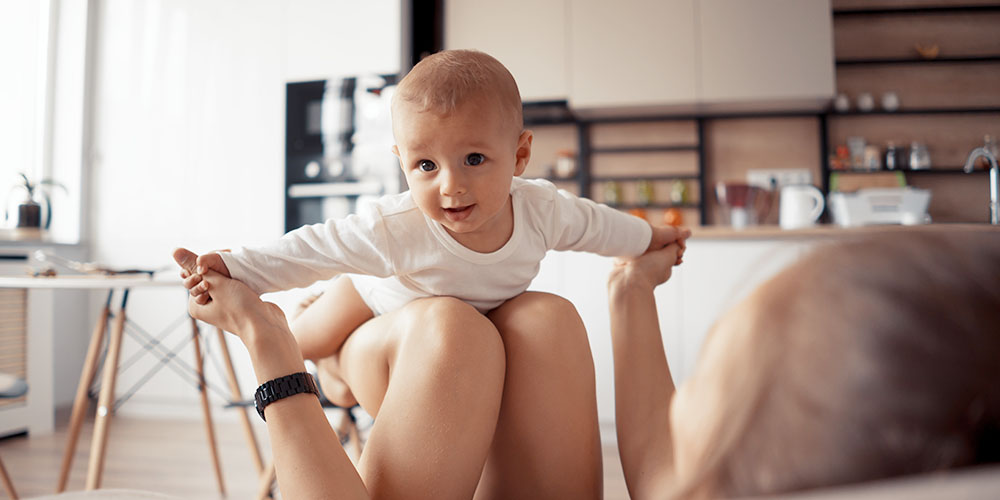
{"x":994,"y":185}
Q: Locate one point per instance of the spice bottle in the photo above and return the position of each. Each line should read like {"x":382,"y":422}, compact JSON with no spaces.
{"x":891,"y":156}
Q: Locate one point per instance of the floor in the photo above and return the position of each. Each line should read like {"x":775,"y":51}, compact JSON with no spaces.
{"x":168,"y":456}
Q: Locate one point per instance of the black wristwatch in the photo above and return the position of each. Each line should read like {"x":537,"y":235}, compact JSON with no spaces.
{"x":282,"y":387}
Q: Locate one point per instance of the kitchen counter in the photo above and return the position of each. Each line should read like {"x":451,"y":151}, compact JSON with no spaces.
{"x":824,"y":231}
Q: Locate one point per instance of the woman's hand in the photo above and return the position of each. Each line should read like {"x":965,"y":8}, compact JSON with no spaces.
{"x":261,"y":326}
{"x":234,"y":307}
{"x":648,"y":270}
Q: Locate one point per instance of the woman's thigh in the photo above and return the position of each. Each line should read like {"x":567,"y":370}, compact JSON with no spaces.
{"x":547,"y":441}
{"x":432,"y":374}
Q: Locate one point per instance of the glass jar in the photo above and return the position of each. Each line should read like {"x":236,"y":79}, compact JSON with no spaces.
{"x":891,"y":156}
{"x":612,"y":193}
{"x":644,"y":193}
{"x":920,"y":158}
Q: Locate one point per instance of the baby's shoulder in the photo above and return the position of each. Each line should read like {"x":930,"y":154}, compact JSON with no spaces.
{"x":534,"y":190}
{"x":392,"y":205}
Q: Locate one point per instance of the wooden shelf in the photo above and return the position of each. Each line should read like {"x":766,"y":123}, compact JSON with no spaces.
{"x":917,"y":60}
{"x":639,"y":178}
{"x":934,"y":170}
{"x":917,"y":111}
{"x":554,"y":180}
{"x":929,"y":9}
{"x":645,"y":149}
{"x":655,"y":206}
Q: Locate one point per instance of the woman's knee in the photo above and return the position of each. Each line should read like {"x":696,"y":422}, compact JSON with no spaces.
{"x":541,"y":317}
{"x":447,"y":330}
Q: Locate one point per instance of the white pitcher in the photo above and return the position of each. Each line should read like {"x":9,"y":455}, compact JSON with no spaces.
{"x":801,"y":206}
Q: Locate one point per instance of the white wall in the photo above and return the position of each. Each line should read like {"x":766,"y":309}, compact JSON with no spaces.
{"x":189,"y":138}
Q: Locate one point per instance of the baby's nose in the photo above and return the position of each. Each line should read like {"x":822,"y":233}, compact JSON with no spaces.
{"x":452,"y":183}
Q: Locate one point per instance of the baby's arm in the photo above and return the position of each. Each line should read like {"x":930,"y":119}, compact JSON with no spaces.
{"x":579,"y":224}
{"x":355,"y":244}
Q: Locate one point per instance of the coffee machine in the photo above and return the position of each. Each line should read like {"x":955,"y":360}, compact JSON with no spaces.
{"x":741,"y":204}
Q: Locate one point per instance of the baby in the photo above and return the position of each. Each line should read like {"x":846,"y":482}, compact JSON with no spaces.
{"x":468,"y":227}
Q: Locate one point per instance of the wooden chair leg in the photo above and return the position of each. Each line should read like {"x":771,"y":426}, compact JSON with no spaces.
{"x":266,"y":482}
{"x":82,"y":390}
{"x":7,"y":484}
{"x":105,"y":402}
{"x":234,"y":387}
{"x":206,"y":408}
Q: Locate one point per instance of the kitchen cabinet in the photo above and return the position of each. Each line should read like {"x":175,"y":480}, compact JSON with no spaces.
{"x":632,"y":53}
{"x":776,"y":51}
{"x":647,"y":56}
{"x":656,"y":56}
{"x":528,"y":36}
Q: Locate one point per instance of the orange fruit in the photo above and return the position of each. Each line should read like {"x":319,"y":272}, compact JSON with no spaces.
{"x":673,"y":217}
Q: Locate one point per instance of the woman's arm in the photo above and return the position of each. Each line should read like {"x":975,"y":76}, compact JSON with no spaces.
{"x":644,"y":388}
{"x":308,"y":458}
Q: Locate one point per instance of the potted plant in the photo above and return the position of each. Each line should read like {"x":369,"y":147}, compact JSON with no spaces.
{"x":36,"y":196}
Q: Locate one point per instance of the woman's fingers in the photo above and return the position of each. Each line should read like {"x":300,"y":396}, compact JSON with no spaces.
{"x":192,"y":280}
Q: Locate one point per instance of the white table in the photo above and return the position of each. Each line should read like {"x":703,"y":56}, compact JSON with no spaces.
{"x":41,"y":340}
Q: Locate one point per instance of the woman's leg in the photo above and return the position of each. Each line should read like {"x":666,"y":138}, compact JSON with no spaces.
{"x":432,"y":374}
{"x":547,"y":442}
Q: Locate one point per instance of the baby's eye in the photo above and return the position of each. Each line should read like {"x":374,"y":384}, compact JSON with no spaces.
{"x":426,"y":166}
{"x":474,"y":159}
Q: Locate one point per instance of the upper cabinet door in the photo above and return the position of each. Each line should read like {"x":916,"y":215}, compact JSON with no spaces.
{"x":766,"y":50}
{"x":527,"y":36}
{"x":632,"y":54}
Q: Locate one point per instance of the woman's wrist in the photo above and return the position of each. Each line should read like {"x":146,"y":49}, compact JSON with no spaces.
{"x":624,"y":279}
{"x":273,"y":351}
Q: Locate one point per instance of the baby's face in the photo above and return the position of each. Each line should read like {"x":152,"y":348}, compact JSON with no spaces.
{"x":460,"y":166}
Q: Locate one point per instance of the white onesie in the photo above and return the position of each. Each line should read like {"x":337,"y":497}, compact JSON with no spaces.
{"x":405,"y":255}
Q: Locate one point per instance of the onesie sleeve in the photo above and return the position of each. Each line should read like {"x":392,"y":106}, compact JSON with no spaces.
{"x":354,"y":244}
{"x":582,"y":225}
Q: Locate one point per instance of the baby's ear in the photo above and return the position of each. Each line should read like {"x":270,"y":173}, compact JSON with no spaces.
{"x":523,"y":154}
{"x":395,"y":150}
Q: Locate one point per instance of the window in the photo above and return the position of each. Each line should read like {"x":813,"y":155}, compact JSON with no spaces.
{"x":23,"y":54}
{"x":42,"y":87}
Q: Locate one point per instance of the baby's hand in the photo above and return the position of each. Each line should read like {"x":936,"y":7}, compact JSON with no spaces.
{"x":197,"y":287}
{"x":665,"y":235}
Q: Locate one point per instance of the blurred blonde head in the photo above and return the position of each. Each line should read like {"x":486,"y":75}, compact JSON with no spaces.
{"x":865,"y":360}
{"x":442,"y":82}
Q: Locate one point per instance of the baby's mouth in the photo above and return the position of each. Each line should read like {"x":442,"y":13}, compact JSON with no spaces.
{"x":458,"y":213}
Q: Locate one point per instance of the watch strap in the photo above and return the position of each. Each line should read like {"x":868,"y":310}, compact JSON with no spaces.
{"x":283,"y":387}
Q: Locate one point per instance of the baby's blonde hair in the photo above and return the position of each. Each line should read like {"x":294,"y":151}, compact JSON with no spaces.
{"x":867,"y":360}
{"x":442,"y":82}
